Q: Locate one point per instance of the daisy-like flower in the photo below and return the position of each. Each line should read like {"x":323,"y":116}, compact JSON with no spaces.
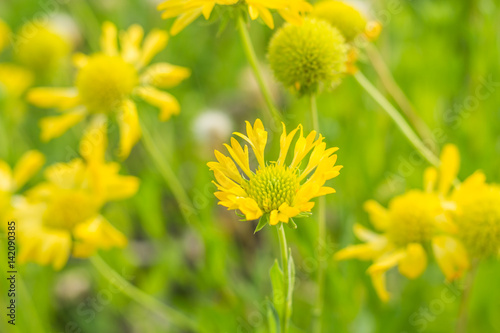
{"x":410,"y":223}
{"x":187,"y":11}
{"x":60,"y":217}
{"x":107,"y":81}
{"x":277,"y":190}
{"x":12,"y":180}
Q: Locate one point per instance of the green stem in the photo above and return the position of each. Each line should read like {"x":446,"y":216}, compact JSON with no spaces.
{"x":149,"y":302}
{"x":464,"y":304}
{"x":397,"y":93}
{"x":397,"y":118}
{"x":32,"y":315}
{"x":318,"y":311}
{"x":252,"y":59}
{"x":287,"y":304}
{"x":186,"y":207}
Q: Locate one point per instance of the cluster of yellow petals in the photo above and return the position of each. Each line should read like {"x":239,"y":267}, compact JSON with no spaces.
{"x":187,"y":11}
{"x":60,"y":217}
{"x":412,"y":221}
{"x":107,"y":81}
{"x":281,"y":190}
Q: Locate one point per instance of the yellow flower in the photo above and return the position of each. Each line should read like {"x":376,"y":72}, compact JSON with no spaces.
{"x":40,"y":49}
{"x":60,"y":217}
{"x":187,"y":11}
{"x":12,"y":180}
{"x":4,"y":35}
{"x":276,"y":190}
{"x":106,"y":82}
{"x":14,"y":80}
{"x":412,"y":221}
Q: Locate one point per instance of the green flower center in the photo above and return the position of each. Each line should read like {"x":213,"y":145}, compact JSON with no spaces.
{"x":105,"y":82}
{"x":272,"y":186}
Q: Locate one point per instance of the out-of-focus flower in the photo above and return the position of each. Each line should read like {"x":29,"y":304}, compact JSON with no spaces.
{"x":211,"y":127}
{"x":276,"y":191}
{"x":350,"y":21}
{"x":187,"y":11}
{"x":60,"y":216}
{"x":412,"y":221}
{"x":14,"y":80}
{"x":106,"y":82}
{"x":4,"y":35}
{"x":40,"y":49}
{"x":65,"y":25}
{"x":309,"y":57}
{"x":11,"y":180}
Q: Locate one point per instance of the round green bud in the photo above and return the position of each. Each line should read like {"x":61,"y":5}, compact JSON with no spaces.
{"x":308,"y":57}
{"x":346,"y":18}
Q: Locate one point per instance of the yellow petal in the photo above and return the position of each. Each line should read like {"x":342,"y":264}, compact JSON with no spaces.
{"x":130,"y":129}
{"x":167,"y":103}
{"x":365,"y":251}
{"x":285,"y":141}
{"x":387,"y":262}
{"x":164,"y":75}
{"x":430,"y":179}
{"x":364,"y":234}
{"x":240,"y":156}
{"x":207,"y":9}
{"x":413,"y":264}
{"x":94,"y":142}
{"x":273,"y":218}
{"x":6,"y":179}
{"x":250,"y":208}
{"x":184,"y":20}
{"x":108,"y":41}
{"x":53,"y":127}
{"x":29,"y":164}
{"x":379,"y":283}
{"x":155,"y":41}
{"x":450,"y":161}
{"x":131,"y":43}
{"x":61,"y":98}
{"x":451,"y":256}
{"x":378,"y":214}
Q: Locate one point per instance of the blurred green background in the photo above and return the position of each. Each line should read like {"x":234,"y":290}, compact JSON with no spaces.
{"x":440,"y":53}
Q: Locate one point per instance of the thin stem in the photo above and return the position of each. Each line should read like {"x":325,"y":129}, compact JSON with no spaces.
{"x":398,"y":119}
{"x":252,"y":60}
{"x":397,"y":93}
{"x":464,"y":304}
{"x":32,"y":314}
{"x":287,"y":304}
{"x":186,"y":207}
{"x":168,"y":313}
{"x":318,"y":311}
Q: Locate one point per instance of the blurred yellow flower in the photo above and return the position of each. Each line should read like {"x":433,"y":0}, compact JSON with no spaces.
{"x":60,"y":216}
{"x":40,"y":49}
{"x":412,"y":221}
{"x":12,"y":180}
{"x":14,"y":80}
{"x":187,"y":11}
{"x":4,"y":35}
{"x":106,"y":82}
{"x":275,"y":190}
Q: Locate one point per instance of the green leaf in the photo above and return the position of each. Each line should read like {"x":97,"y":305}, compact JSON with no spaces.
{"x":291,"y":224}
{"x":273,"y":318}
{"x":264,"y":220}
{"x":277,"y":281}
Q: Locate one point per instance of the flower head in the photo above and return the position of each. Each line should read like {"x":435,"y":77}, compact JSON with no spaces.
{"x":187,"y":11}
{"x":412,"y":221}
{"x":277,"y":190}
{"x":308,"y":57}
{"x":344,"y":17}
{"x":60,"y":216}
{"x":40,"y":49}
{"x":107,"y":81}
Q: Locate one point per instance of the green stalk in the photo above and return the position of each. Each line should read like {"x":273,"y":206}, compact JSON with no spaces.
{"x":252,"y":60}
{"x":318,"y":311}
{"x":397,"y":118}
{"x":464,"y":304}
{"x":170,"y":178}
{"x":287,"y":304}
{"x":168,"y":313}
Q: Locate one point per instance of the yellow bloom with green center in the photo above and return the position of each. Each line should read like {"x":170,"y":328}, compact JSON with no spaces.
{"x":276,"y":190}
{"x":344,"y":17}
{"x":187,"y":11}
{"x":411,"y":222}
{"x":107,"y":81}
{"x":60,"y":217}
{"x":12,"y":180}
